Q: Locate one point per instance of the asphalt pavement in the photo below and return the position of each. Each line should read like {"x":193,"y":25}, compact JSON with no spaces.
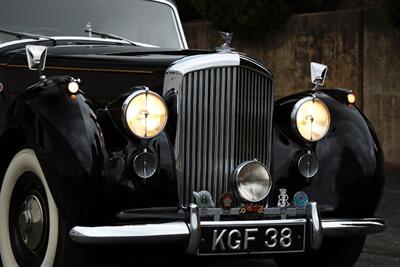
{"x":383,"y":249}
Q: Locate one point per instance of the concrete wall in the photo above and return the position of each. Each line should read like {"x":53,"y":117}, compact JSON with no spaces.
{"x":381,"y":87}
{"x":361,"y":50}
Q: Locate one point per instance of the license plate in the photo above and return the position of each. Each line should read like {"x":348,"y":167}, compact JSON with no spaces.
{"x":256,"y":239}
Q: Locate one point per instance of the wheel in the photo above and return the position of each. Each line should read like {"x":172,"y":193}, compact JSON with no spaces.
{"x":335,"y":251}
{"x":32,"y":233}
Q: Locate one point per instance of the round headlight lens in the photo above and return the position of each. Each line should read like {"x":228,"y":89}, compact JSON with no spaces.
{"x":253,"y":181}
{"x":145,"y":113}
{"x":311,"y":118}
{"x":145,"y":164}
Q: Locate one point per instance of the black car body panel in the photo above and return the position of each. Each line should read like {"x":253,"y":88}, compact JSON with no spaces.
{"x":219,"y":130}
{"x":107,"y":76}
{"x":350,"y":157}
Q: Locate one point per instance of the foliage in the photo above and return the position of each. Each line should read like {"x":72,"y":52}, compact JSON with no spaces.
{"x":303,"y":6}
{"x":392,"y":8}
{"x":249,"y":18}
{"x":187,"y":11}
{"x":245,"y":17}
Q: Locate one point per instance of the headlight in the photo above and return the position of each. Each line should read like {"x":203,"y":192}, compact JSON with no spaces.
{"x":252,"y":181}
{"x":311,"y":118}
{"x":145,"y":113}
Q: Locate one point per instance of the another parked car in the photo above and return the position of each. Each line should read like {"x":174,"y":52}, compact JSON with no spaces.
{"x":113,"y":131}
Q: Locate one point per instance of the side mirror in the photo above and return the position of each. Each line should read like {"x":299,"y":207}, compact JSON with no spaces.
{"x":318,"y":73}
{"x":36,"y":55}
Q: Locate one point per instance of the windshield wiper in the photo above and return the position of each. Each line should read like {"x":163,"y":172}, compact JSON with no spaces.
{"x":21,"y":35}
{"x":110,"y":35}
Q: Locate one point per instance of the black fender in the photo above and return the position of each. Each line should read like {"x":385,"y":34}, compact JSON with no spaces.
{"x":64,"y":133}
{"x":350,"y":178}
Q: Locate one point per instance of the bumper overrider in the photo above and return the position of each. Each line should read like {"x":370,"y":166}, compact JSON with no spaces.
{"x":212,"y":231}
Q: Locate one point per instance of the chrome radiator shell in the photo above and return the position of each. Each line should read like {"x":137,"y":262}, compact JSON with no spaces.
{"x":224,"y":117}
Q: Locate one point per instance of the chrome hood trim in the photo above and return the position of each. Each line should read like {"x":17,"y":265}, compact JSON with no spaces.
{"x":175,"y":72}
{"x":199,"y":62}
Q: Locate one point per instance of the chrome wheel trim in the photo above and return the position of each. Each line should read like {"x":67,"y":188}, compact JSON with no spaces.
{"x":31,"y":222}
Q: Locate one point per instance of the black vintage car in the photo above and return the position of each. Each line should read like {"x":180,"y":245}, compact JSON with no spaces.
{"x":112,"y":131}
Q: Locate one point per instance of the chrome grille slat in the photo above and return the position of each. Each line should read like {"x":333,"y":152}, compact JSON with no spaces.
{"x":226,"y":118}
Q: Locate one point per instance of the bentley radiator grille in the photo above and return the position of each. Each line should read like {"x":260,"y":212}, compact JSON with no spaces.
{"x":225,"y":118}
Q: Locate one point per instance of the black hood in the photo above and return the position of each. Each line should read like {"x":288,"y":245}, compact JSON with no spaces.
{"x":106,"y":71}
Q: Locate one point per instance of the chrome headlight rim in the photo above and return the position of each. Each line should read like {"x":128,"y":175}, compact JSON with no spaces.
{"x":125,"y":106}
{"x":293,"y":118}
{"x":236,"y":175}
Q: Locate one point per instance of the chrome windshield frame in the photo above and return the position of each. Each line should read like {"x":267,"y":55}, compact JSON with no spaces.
{"x":178,"y":27}
{"x":178,"y":23}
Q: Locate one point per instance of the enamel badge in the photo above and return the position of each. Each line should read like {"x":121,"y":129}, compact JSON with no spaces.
{"x":300,"y":199}
{"x":204,"y":199}
{"x":283,"y":198}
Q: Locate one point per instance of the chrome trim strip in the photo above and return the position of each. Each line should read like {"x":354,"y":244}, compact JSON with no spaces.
{"x":217,"y":212}
{"x":255,"y":62}
{"x":200,"y":62}
{"x":177,"y":21}
{"x":315,"y":225}
{"x":161,"y":232}
{"x":352,"y":227}
{"x":251,"y":223}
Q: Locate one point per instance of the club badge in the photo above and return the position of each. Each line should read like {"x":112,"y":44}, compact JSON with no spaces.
{"x":204,"y":199}
{"x":300,"y":199}
{"x":226,"y":201}
{"x":283,"y":198}
{"x":252,"y":209}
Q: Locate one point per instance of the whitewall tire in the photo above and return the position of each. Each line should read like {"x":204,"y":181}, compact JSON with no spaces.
{"x":24,"y":162}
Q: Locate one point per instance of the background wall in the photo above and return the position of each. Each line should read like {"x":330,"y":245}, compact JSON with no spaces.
{"x":359,"y":46}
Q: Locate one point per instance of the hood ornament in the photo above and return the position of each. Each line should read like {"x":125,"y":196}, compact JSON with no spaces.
{"x":227,"y":36}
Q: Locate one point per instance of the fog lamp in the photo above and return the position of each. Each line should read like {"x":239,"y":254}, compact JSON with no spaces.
{"x":253,"y":181}
{"x":145,"y":164}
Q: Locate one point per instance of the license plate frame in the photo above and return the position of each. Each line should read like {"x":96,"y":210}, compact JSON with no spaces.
{"x":211,"y":231}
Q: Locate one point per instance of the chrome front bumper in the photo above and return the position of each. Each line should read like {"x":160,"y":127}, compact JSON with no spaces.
{"x":190,"y":232}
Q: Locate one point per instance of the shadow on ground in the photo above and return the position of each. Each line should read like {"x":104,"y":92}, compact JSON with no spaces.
{"x":384,"y":249}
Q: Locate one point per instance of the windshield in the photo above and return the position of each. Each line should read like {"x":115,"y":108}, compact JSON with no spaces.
{"x":148,"y":22}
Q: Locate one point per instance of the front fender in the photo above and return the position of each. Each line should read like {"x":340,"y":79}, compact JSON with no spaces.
{"x":350,"y":178}
{"x":67,"y":139}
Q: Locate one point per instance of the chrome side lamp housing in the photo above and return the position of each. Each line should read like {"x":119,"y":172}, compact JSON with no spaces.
{"x":252,"y":181}
{"x":36,"y":56}
{"x":318,"y":73}
{"x":311,"y":119}
{"x":144,"y":114}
